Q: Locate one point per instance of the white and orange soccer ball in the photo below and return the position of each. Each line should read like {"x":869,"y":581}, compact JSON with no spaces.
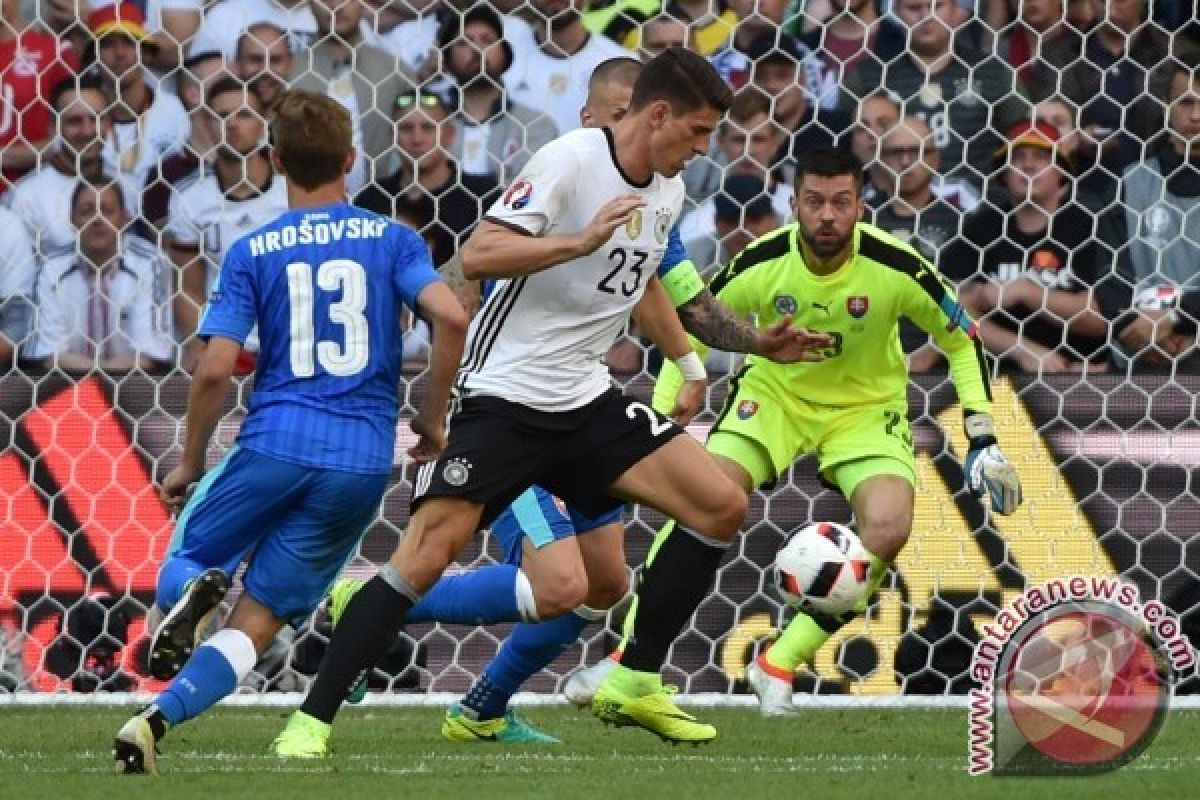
{"x":823,"y":567}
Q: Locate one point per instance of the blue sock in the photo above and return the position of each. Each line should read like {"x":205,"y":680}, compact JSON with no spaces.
{"x":205,"y":678}
{"x":173,"y":576}
{"x":482,"y":596}
{"x":528,"y":649}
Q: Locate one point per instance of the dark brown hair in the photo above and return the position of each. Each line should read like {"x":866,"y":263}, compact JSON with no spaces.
{"x":311,"y":132}
{"x":683,"y":79}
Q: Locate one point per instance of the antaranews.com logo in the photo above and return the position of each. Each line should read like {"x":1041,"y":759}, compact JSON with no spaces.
{"x":1075,"y":677}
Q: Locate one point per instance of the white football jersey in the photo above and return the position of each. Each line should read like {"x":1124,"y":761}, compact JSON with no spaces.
{"x":557,"y":87}
{"x":127,"y":310}
{"x":42,"y":199}
{"x":540,"y":339}
{"x":202,"y":217}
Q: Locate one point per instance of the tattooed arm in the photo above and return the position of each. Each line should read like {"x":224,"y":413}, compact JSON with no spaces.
{"x":466,"y":290}
{"x":716,"y":325}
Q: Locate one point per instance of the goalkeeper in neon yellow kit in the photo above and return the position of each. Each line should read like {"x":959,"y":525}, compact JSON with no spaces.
{"x":842,"y":277}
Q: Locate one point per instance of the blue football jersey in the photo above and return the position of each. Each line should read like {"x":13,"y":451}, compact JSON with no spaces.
{"x":325,"y":287}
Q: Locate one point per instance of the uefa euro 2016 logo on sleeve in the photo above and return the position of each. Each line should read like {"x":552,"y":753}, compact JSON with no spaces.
{"x":1075,"y":677}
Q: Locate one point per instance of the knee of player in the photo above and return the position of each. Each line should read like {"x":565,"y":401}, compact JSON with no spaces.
{"x":885,"y":531}
{"x":605,"y":591}
{"x":729,"y":512}
{"x":560,"y":593}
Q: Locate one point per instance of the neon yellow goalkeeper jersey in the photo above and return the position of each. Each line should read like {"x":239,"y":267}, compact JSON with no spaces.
{"x":860,"y":306}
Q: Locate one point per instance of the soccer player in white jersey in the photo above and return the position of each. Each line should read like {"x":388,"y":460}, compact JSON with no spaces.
{"x":558,"y":574}
{"x":574,"y":243}
{"x":223,"y":203}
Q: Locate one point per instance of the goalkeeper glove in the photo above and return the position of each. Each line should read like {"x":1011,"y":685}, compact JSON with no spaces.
{"x":986,"y":469}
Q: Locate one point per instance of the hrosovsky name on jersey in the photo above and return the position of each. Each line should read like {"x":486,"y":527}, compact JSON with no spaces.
{"x":319,"y":233}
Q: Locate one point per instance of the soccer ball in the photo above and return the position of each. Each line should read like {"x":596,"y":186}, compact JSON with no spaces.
{"x":823,"y":567}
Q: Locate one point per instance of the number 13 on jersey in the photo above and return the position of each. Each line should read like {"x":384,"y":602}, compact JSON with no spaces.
{"x":339,"y":274}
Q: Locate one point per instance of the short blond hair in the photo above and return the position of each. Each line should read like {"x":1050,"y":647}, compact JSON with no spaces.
{"x":312,"y":135}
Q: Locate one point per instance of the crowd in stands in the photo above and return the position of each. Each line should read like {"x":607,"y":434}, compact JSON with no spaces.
{"x":1044,"y":154}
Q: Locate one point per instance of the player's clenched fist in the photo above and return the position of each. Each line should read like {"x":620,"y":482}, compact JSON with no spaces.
{"x":612,"y":215}
{"x":174,"y":488}
{"x":431,"y":439}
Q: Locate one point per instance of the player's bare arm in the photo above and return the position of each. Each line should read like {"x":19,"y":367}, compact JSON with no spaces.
{"x":716,"y":324}
{"x":500,"y":251}
{"x":442,"y":310}
{"x":655,"y":315}
{"x":467,"y":291}
{"x":206,"y":404}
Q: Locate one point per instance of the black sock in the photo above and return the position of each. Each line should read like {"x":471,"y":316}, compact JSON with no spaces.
{"x":364,"y":633}
{"x":671,"y":588}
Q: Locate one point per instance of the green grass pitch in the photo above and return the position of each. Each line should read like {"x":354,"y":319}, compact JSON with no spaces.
{"x":870,"y":754}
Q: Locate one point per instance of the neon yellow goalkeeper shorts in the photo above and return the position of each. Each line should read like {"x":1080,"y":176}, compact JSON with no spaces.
{"x":765,"y":431}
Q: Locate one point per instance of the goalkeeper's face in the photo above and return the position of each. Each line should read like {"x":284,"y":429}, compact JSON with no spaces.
{"x":827,"y":209}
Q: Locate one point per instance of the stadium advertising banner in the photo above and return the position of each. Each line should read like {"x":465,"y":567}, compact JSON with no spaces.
{"x":1106,"y":466}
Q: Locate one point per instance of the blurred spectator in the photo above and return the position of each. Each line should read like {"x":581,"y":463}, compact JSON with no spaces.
{"x":1118,"y":83}
{"x":18,"y":270}
{"x":1083,"y":14}
{"x":209,"y":213}
{"x":779,"y":72}
{"x":1155,"y":233}
{"x":1037,"y":43}
{"x":146,"y":124}
{"x":623,"y":21}
{"x":919,"y":208}
{"x":408,"y":29}
{"x":364,"y":79}
{"x":757,"y":33}
{"x":495,"y":136}
{"x":225,"y":21}
{"x":105,"y":306}
{"x":742,"y":212}
{"x":32,"y":62}
{"x":1095,"y":187}
{"x":550,"y":71}
{"x":661,"y":32}
{"x":854,"y":33}
{"x":958,"y":91}
{"x":1028,"y":267}
{"x":263,"y":58}
{"x":748,"y":143}
{"x":429,"y":191}
{"x":42,"y":199}
{"x":171,"y":23}
{"x":650,"y":24}
{"x":877,"y":113}
{"x":711,"y":24}
{"x":193,"y":79}
{"x":405,"y":28}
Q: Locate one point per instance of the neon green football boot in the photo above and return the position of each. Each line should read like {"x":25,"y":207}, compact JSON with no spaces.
{"x":655,"y":712}
{"x":304,"y":737}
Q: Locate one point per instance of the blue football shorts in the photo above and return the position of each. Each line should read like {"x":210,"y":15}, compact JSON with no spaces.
{"x":543,"y":518}
{"x":297,"y":526}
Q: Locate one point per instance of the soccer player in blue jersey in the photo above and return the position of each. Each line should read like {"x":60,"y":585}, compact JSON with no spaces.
{"x":324,"y":283}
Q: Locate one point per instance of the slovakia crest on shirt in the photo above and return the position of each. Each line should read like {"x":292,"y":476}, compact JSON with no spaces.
{"x":518,"y":195}
{"x":857,"y":306}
